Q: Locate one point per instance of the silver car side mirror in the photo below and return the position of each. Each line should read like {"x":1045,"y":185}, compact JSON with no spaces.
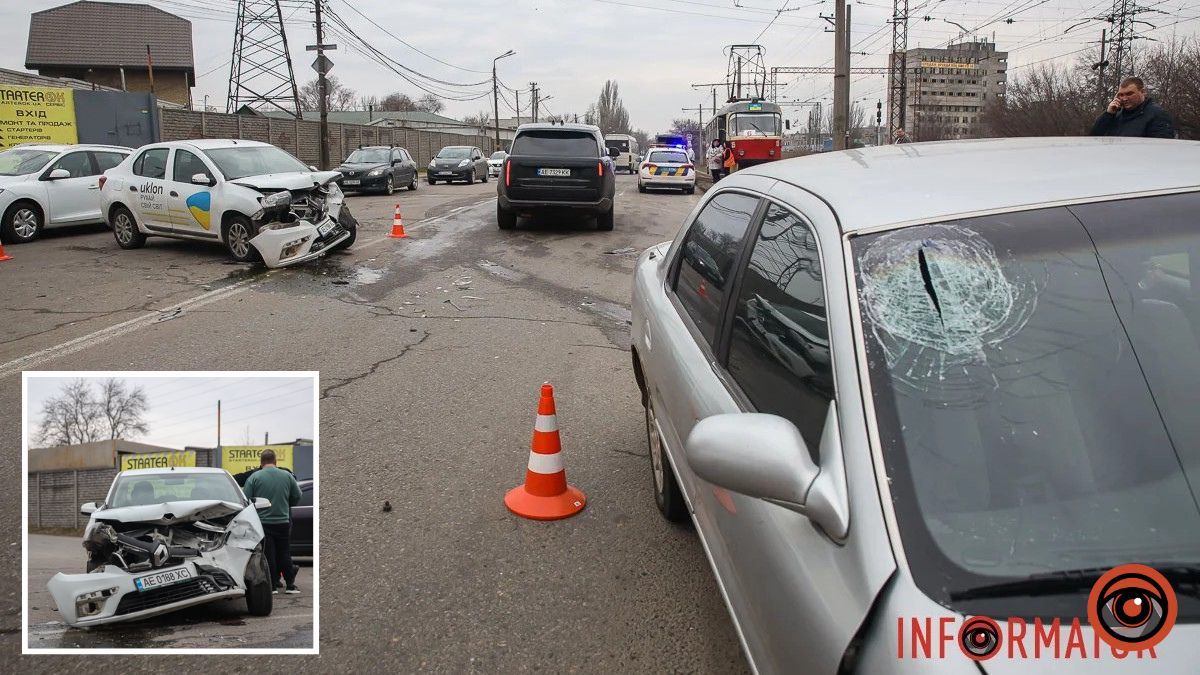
{"x":202,"y":179}
{"x":261,"y":503}
{"x":764,"y":456}
{"x":88,"y":508}
{"x":59,"y":174}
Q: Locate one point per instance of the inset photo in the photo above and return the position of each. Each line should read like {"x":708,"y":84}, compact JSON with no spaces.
{"x":170,"y":511}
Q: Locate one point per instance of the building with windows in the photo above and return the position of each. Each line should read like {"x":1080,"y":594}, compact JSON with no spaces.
{"x":948,"y":88}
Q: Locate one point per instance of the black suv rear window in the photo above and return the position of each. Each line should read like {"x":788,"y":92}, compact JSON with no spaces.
{"x":556,"y":143}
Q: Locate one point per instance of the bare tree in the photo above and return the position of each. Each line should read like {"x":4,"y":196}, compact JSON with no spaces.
{"x":431,"y":104}
{"x":78,"y":415}
{"x":397,"y":102}
{"x":480,"y":119}
{"x":609,"y":111}
{"x":337,"y":95}
{"x":1048,"y":100}
{"x":124,"y":409}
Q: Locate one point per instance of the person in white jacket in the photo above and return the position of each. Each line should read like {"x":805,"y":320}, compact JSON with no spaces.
{"x":716,"y":159}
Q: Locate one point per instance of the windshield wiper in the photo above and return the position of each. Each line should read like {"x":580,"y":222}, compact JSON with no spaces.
{"x":1184,"y":578}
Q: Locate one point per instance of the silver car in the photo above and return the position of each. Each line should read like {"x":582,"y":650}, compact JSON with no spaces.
{"x":919,"y":399}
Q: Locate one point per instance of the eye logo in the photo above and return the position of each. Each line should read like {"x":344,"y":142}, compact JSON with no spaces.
{"x":979,"y":638}
{"x":1132,"y":607}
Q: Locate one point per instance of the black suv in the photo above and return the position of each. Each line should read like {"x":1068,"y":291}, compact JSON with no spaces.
{"x":557,"y":167}
{"x":378,"y":167}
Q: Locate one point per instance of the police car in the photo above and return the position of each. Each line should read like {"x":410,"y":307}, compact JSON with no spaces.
{"x":669,"y":168}
{"x":256,"y":199}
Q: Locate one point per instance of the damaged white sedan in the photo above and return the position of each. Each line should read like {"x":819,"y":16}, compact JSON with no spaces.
{"x":259,"y":201}
{"x":163,"y":540}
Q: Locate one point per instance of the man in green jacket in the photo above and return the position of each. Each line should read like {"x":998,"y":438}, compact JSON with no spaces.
{"x":279,"y":486}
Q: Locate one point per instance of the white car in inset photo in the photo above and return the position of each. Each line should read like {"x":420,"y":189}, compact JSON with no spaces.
{"x":48,"y":185}
{"x":256,"y":199}
{"x":163,"y":540}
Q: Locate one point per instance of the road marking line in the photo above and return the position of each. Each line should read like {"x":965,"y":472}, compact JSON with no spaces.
{"x":30,"y":361}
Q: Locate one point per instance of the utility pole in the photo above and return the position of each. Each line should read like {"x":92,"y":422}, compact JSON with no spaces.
{"x":218,"y":425}
{"x":1099,"y":68}
{"x":517,"y":93}
{"x":533,"y":111}
{"x":699,"y":109}
{"x":496,"y":96}
{"x":841,"y":75}
{"x":898,"y":69}
{"x":323,"y":104}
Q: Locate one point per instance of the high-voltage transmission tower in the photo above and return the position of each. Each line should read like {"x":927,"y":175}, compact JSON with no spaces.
{"x":898,"y":85}
{"x":261,"y":75}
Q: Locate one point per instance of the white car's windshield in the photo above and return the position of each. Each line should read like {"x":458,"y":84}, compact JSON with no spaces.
{"x":369,"y":156}
{"x":1034,"y":379}
{"x":671,"y":157}
{"x":499,"y":155}
{"x":140,"y":490}
{"x":454,"y":153}
{"x":21,"y":161}
{"x":253,"y":160}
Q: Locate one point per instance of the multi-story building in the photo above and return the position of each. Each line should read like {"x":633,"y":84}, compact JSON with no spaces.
{"x":947,"y":89}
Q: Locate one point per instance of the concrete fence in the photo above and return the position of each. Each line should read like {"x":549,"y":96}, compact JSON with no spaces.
{"x":302,"y":137}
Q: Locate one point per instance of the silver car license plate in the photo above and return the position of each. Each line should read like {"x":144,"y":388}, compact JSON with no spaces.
{"x":160,"y":579}
{"x":324,"y":229}
{"x":445,"y":173}
{"x":352,"y":182}
{"x":554,"y":172}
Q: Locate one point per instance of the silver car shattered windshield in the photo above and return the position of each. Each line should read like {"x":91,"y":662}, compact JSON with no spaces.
{"x":144,"y":489}
{"x":1034,"y":382}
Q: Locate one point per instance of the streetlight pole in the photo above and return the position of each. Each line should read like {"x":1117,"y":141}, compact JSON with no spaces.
{"x":496,"y":96}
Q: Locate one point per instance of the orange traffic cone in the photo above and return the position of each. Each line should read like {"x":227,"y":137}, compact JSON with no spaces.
{"x":3,"y":256}
{"x":398,"y":225}
{"x":545,"y":494}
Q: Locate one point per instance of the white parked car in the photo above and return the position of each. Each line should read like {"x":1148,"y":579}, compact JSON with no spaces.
{"x":258,"y":200}
{"x":46,"y":185}
{"x":667,"y":168}
{"x":496,"y":162}
{"x":166,"y":539}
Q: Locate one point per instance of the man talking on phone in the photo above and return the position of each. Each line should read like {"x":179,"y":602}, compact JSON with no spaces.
{"x":1133,"y":113}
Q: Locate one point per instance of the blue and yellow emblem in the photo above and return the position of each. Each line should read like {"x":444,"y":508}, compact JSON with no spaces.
{"x":200,"y":205}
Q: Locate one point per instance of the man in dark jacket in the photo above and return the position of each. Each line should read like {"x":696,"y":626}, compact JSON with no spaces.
{"x":1132,"y":113}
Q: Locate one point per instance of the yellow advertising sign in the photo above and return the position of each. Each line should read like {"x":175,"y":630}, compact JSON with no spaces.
{"x":242,"y":458}
{"x":158,"y":460}
{"x":36,"y":115}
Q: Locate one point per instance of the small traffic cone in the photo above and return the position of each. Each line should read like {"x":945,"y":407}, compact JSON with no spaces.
{"x":398,"y":225}
{"x":3,"y":256}
{"x":545,"y":494}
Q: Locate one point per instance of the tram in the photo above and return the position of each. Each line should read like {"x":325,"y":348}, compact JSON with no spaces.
{"x":752,"y":129}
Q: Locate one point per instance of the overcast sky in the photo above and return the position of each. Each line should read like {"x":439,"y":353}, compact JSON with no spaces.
{"x":655,"y":49}
{"x":183,"y":410}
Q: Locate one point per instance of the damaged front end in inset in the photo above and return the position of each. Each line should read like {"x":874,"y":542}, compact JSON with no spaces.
{"x":152,"y":559}
{"x":296,"y":226}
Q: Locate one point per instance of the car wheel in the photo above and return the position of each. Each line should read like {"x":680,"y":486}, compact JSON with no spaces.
{"x":259,"y":584}
{"x":238,"y":234}
{"x":505,"y":218}
{"x":348,"y":221}
{"x":641,"y":188}
{"x":486,"y":174}
{"x":413,"y":185}
{"x":604,"y":221}
{"x":471,"y":177}
{"x":432,"y":181}
{"x":389,"y":186}
{"x":666,"y":488}
{"x":689,"y":190}
{"x":23,"y":222}
{"x":125,"y":229}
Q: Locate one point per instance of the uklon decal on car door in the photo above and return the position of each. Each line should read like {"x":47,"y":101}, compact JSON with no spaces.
{"x":190,"y":203}
{"x":150,"y":171}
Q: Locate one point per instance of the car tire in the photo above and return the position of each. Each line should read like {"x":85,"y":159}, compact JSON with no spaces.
{"x":432,"y":181}
{"x":641,"y":188}
{"x":412,"y":187}
{"x":486,"y":175}
{"x":505,"y":218}
{"x":667,"y":495}
{"x":125,"y":229}
{"x":348,"y":221}
{"x":237,"y":234}
{"x":23,"y":222}
{"x":604,"y":221}
{"x":259,"y":584}
{"x":389,"y":185}
{"x":689,"y":191}
{"x":471,"y":177}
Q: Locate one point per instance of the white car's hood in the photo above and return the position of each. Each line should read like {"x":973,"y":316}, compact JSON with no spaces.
{"x":9,"y":180}
{"x":299,"y":180}
{"x":169,"y":513}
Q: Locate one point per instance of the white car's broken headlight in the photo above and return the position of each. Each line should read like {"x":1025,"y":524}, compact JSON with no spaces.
{"x":271,"y":202}
{"x":87,"y":604}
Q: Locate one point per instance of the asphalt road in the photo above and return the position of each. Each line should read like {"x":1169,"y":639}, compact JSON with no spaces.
{"x":431,"y":351}
{"x":219,"y":624}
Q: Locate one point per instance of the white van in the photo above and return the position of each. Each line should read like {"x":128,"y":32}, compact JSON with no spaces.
{"x":627,"y":145}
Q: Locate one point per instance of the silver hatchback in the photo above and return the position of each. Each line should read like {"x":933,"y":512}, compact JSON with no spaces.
{"x":928,"y":404}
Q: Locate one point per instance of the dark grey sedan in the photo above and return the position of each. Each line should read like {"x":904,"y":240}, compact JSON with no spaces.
{"x":458,"y":162}
{"x":379,"y":168}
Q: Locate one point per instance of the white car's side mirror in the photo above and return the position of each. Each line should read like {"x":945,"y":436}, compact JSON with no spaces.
{"x":201,"y":179}
{"x":58,"y":174}
{"x":312,"y":168}
{"x":88,"y":508}
{"x":261,"y":503}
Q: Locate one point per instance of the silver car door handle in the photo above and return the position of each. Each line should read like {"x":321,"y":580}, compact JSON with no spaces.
{"x":94,"y":187}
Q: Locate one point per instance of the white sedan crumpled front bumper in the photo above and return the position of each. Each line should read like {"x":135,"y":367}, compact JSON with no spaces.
{"x":301,"y":242}
{"x":110,"y":594}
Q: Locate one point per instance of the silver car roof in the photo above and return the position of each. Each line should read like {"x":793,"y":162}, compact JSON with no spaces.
{"x":891,"y":184}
